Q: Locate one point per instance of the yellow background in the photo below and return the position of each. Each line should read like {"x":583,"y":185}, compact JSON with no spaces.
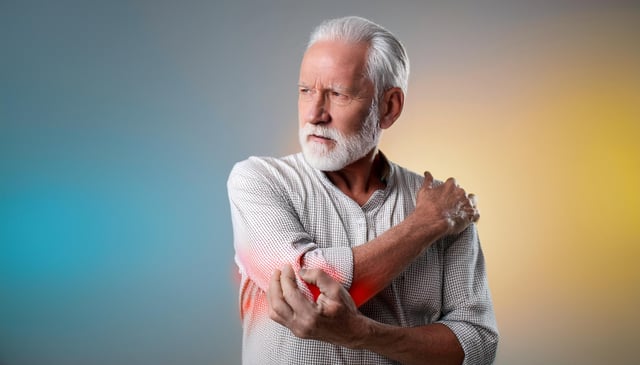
{"x":546,"y":131}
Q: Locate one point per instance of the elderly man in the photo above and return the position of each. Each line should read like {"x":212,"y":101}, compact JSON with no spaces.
{"x":346,"y":257}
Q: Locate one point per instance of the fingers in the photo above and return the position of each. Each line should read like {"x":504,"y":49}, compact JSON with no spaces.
{"x":473,"y":199}
{"x":334,"y":300}
{"x":290,"y":290}
{"x":428,"y":179}
{"x":476,"y":216}
{"x":466,"y":209}
{"x":452,"y":181}
{"x":448,"y":201}
{"x":279,"y":309}
{"x":325,"y":283}
{"x":473,"y":212}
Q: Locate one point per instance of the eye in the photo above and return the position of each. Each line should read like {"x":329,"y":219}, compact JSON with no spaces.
{"x":305,"y":92}
{"x":339,"y":98}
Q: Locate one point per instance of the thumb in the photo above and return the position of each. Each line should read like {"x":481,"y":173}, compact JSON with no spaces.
{"x":320,"y":279}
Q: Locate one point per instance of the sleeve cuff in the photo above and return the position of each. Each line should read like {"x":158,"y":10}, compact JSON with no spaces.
{"x":335,"y":261}
{"x":479,"y":347}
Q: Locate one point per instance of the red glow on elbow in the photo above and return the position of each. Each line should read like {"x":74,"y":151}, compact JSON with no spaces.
{"x":315,"y":292}
{"x":361,"y":293}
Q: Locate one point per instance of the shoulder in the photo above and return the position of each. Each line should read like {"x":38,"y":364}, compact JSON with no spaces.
{"x":405,"y":178}
{"x":268,"y":170}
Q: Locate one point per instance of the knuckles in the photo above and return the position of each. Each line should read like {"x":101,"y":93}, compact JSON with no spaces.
{"x":273,"y":314}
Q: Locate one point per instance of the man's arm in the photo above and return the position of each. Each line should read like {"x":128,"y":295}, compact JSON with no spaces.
{"x":467,"y":329}
{"x":334,"y":318}
{"x":440,"y":211}
{"x":269,"y":235}
{"x":268,"y":232}
{"x":432,"y":343}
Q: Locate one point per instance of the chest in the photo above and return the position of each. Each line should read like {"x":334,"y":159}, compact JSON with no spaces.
{"x":338,"y":221}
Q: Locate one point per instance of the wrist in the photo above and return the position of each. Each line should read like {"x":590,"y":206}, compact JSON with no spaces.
{"x":428,"y":230}
{"x":366,"y":332}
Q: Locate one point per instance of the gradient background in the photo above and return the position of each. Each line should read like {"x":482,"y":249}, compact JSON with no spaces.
{"x":120,"y":121}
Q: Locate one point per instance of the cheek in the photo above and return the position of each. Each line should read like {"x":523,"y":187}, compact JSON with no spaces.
{"x":353,"y":120}
{"x":301,"y":113}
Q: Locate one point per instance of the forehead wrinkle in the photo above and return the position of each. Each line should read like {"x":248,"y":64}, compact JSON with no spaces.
{"x":335,"y":65}
{"x":354,"y":85}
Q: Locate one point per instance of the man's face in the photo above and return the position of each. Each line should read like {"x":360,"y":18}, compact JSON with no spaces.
{"x":336,"y":110}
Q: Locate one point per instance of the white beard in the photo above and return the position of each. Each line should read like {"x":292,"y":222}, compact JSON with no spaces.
{"x":346,"y":149}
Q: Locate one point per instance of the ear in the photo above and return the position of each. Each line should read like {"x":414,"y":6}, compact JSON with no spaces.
{"x":391,"y":106}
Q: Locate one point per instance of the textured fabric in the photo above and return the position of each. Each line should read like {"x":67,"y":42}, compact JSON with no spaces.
{"x":286,"y":212}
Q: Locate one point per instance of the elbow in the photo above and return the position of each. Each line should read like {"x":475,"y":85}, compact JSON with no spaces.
{"x":479,"y":342}
{"x":489,"y":338}
{"x":492,"y":346}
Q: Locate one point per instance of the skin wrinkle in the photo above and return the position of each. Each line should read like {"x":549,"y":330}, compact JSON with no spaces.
{"x":351,"y":138}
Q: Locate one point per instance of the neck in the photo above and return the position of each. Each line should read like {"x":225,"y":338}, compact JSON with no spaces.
{"x":360,"y":179}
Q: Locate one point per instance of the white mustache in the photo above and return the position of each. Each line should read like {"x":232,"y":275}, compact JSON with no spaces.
{"x":321,"y":131}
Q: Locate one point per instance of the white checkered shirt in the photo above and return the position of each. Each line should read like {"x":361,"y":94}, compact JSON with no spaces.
{"x":286,"y":212}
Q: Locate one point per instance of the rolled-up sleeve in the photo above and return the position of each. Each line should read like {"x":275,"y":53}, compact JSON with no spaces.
{"x":467,"y":306}
{"x":268,"y":233}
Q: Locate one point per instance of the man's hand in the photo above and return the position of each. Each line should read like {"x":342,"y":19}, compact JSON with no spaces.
{"x":447,"y":202}
{"x":332,"y":318}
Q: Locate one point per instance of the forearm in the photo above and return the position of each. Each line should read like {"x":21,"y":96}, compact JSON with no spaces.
{"x":378,"y":262}
{"x":428,"y":344}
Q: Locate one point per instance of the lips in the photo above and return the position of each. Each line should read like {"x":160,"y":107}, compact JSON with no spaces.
{"x":318,"y":134}
{"x":319,"y":138}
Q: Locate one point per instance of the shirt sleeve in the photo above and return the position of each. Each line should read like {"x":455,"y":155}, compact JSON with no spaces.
{"x":467,"y":306}
{"x":268,"y":233}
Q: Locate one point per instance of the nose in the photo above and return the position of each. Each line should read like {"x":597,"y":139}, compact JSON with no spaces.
{"x":317,"y":110}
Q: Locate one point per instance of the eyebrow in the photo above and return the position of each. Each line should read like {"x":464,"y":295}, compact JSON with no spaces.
{"x":338,"y":87}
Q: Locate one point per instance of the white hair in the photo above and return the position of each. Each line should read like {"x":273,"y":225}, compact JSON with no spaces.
{"x":387,"y":64}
